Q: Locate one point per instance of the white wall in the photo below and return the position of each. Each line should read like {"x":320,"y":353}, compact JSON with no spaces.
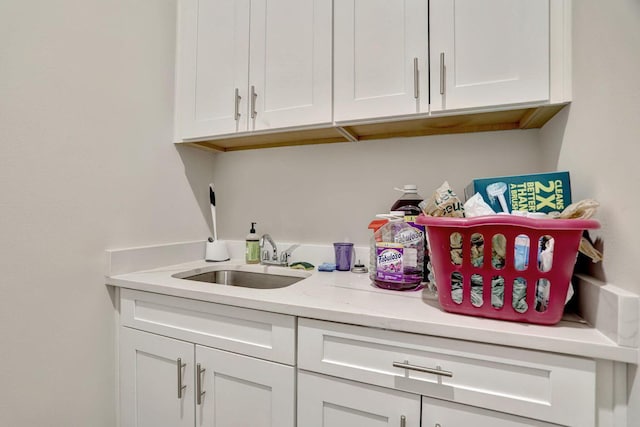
{"x":86,"y":164}
{"x":326,"y":193}
{"x":598,"y":139}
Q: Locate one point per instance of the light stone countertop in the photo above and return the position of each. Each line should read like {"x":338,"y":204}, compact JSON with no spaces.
{"x":351,"y":298}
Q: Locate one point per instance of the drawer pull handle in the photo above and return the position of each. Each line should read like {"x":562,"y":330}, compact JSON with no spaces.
{"x":403,"y":421}
{"x":199,"y":392}
{"x":435,"y":371}
{"x":181,"y":387}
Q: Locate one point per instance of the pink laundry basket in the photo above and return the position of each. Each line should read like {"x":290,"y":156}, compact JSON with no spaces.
{"x":566,"y":234}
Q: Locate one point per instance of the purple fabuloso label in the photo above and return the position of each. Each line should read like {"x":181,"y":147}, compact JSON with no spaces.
{"x":389,"y":262}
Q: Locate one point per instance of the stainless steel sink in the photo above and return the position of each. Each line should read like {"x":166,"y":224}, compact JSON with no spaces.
{"x":245,"y":279}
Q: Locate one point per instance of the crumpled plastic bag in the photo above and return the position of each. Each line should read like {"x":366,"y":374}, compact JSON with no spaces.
{"x":586,"y":248}
{"x":583,"y":209}
{"x":443,"y":202}
{"x":476,"y":206}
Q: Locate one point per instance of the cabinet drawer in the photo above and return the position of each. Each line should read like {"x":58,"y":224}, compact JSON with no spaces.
{"x":268,"y":336}
{"x":545,"y":386}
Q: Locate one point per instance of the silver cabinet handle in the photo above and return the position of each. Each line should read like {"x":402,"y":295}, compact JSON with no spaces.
{"x":403,"y":421}
{"x":237,"y":99}
{"x":436,"y":371}
{"x":416,"y":79}
{"x":199,"y":392}
{"x":181,"y":387}
{"x":442,"y":70}
{"x":254,"y":95}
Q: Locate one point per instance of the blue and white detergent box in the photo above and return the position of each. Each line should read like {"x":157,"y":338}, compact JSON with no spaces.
{"x":540,"y":192}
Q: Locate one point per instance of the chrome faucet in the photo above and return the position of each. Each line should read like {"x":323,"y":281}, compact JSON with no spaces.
{"x":271,"y":257}
{"x":265,"y":254}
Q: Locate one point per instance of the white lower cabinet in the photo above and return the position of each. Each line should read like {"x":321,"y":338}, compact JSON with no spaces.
{"x":162,"y":380}
{"x":455,"y":378}
{"x":188,"y":363}
{"x":149,"y":381}
{"x":441,"y":413}
{"x":166,"y":381}
{"x":331,"y":402}
{"x":325,"y":401}
{"x":240,"y":391}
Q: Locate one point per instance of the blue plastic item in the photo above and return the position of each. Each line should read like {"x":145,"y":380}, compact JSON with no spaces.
{"x":327,"y":266}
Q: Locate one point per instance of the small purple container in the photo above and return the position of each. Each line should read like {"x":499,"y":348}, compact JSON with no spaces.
{"x":343,"y":255}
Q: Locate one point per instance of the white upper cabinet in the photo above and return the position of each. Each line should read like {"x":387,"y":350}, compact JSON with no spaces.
{"x":290,"y":63}
{"x":286,"y":72}
{"x":252,"y":65}
{"x":488,"y":53}
{"x":213,"y":67}
{"x":381,"y":56}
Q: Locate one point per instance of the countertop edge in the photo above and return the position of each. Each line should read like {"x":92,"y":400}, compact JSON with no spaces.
{"x":311,"y":300}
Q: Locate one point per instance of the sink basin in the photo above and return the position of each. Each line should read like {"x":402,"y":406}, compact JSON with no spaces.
{"x":245,"y":279}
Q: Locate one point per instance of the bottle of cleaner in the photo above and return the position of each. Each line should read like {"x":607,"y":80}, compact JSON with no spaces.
{"x":409,"y":204}
{"x":252,"y":249}
{"x":397,"y":253}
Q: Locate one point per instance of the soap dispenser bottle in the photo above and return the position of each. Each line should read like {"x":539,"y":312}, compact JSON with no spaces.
{"x":252,"y":252}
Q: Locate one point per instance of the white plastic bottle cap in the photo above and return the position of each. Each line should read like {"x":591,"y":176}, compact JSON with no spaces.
{"x":408,"y":188}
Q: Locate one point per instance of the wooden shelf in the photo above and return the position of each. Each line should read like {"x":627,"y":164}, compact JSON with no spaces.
{"x":522,"y":118}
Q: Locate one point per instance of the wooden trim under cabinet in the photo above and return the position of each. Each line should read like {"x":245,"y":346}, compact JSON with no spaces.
{"x":522,"y":118}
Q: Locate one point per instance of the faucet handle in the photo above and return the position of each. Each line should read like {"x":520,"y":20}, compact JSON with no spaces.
{"x":291,"y":248}
{"x":284,"y":256}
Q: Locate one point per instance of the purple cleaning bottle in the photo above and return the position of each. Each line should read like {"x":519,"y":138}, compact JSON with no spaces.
{"x":409,"y":204}
{"x":397,"y":251}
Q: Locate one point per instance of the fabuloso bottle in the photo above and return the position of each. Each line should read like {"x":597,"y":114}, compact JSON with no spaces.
{"x":252,"y":246}
{"x":409,"y":204}
{"x":399,"y":255}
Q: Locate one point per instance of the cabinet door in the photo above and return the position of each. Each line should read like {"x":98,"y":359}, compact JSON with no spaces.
{"x":441,"y":413}
{"x":149,"y":395}
{"x":331,"y":402}
{"x":486,"y":53}
{"x":375,"y":47}
{"x":243,"y":391}
{"x":290,"y":65}
{"x":213,"y":63}
{"x":559,"y":388}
